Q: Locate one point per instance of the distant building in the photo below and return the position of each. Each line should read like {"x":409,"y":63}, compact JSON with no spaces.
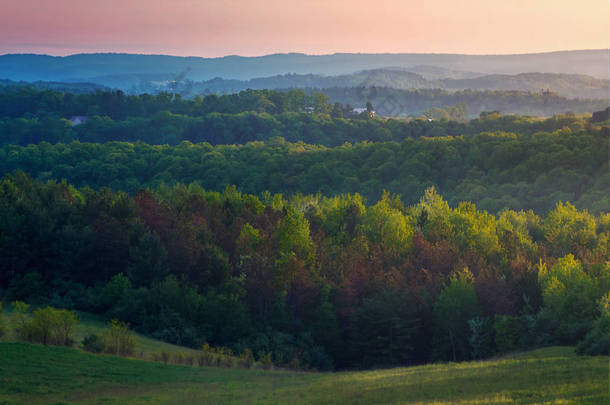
{"x":79,"y":119}
{"x":359,"y":111}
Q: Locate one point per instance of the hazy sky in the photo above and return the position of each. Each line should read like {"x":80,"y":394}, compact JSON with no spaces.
{"x":257,"y":27}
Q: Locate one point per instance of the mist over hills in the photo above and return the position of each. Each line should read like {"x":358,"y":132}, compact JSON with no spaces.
{"x":566,"y":85}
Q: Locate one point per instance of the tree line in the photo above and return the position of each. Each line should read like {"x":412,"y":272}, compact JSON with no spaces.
{"x":31,"y":116}
{"x":492,"y":169}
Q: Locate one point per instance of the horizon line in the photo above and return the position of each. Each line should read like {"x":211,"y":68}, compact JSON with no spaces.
{"x":301,"y":54}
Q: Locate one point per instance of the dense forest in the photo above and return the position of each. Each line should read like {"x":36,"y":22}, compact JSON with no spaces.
{"x":493,"y":169}
{"x":280,"y":222}
{"x":30,"y":116}
{"x":309,"y":145}
{"x":323,"y":282}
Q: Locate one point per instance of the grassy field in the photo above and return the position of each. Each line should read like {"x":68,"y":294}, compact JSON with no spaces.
{"x":34,"y":374}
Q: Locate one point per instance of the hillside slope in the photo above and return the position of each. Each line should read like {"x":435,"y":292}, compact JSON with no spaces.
{"x":34,"y":374}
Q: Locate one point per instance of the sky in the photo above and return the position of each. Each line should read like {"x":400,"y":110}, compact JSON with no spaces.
{"x":213,"y":28}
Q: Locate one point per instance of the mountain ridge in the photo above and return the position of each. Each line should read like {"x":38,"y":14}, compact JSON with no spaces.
{"x":83,"y":66}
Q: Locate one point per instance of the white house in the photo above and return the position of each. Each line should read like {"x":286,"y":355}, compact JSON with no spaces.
{"x":79,"y":119}
{"x":361,"y":110}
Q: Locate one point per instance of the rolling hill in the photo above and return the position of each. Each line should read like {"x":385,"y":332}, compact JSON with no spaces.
{"x":35,"y":374}
{"x":566,"y":85}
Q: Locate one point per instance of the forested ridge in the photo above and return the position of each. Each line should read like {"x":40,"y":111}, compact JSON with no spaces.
{"x":494,"y":170}
{"x":324,"y":282}
{"x":422,"y":77}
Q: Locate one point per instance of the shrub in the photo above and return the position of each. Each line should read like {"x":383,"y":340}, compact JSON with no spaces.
{"x":119,"y":339}
{"x":49,"y":326}
{"x":189,"y":359}
{"x":178,"y":358}
{"x":246,"y":359}
{"x":93,"y":343}
{"x":264,"y":360}
{"x":205,"y":357}
{"x":162,"y":356}
{"x":295,"y":362}
{"x":227,"y":361}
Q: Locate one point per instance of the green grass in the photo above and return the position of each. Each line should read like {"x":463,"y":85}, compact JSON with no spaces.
{"x":34,"y":374}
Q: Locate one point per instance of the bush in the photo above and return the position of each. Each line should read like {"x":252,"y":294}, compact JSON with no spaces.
{"x":246,"y":359}
{"x":162,"y":356}
{"x":178,"y":358}
{"x":264,"y":360}
{"x":205,"y":357}
{"x":189,"y":359}
{"x":119,"y":339}
{"x":48,"y":326}
{"x":93,"y":343}
{"x":227,"y":361}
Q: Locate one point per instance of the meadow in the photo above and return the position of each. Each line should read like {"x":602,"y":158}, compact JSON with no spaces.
{"x":35,"y":374}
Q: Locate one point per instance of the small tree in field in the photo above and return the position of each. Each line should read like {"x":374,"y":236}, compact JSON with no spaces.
{"x":49,"y":326}
{"x":20,"y":316}
{"x":119,"y":339}
{"x":64,"y":327}
{"x":42,"y":325}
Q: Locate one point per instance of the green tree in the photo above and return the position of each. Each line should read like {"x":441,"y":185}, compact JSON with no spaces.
{"x":597,"y":341}
{"x":20,"y":316}
{"x":568,"y":290}
{"x":119,"y":339}
{"x":455,"y":306}
{"x":50,"y":326}
{"x":567,"y":230}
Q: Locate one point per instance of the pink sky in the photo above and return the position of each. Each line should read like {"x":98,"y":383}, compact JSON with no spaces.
{"x":251,"y":27}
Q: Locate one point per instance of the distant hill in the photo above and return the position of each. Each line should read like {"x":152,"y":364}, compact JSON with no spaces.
{"x":437,"y":72}
{"x":400,"y":79}
{"x":568,"y":85}
{"x":76,"y":88}
{"x":85,"y":67}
